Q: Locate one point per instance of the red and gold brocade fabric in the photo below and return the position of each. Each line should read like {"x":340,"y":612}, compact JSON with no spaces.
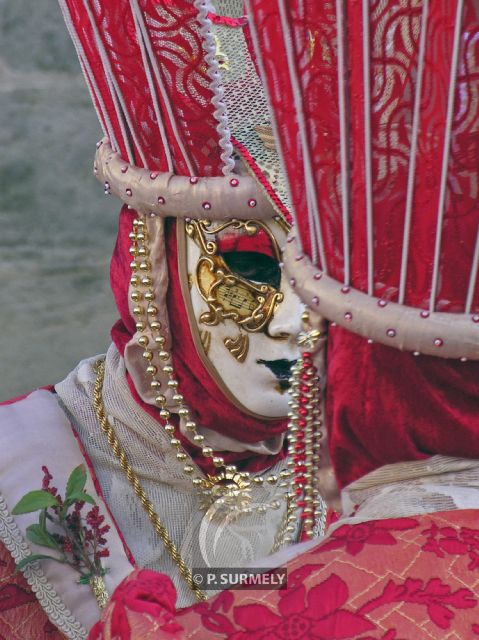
{"x":21,"y":617}
{"x":394,"y":27}
{"x":182,"y":84}
{"x":413,"y":578}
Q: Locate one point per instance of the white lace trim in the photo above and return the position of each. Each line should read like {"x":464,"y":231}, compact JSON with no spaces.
{"x":220,"y":113}
{"x":48,"y":598}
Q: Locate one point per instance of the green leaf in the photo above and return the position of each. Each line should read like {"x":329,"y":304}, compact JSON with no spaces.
{"x":33,"y":501}
{"x":33,"y":558}
{"x":42,"y":519}
{"x":76,"y":481}
{"x":80,"y":497}
{"x":40,"y":536}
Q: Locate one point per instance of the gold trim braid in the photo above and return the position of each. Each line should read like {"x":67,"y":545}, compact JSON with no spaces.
{"x":98,"y":587}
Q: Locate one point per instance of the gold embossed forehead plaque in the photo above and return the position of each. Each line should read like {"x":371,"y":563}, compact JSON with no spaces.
{"x":250,"y":301}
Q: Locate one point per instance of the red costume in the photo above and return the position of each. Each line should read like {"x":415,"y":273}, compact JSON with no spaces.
{"x":374,"y":115}
{"x":167,"y":427}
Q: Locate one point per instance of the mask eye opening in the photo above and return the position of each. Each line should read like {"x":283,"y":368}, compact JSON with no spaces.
{"x":253,"y":266}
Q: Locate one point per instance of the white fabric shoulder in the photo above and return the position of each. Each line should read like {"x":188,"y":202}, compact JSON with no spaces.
{"x":35,"y":432}
{"x":201,"y":539}
{"x":399,"y":490}
{"x":439,"y":483}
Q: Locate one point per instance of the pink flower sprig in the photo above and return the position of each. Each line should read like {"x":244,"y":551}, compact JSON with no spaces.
{"x":79,"y":542}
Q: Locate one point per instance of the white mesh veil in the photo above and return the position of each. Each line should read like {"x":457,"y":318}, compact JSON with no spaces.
{"x":440,"y":483}
{"x":248,"y":115}
{"x":201,"y":541}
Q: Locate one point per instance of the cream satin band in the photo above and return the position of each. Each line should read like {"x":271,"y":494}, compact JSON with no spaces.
{"x":170,"y":195}
{"x":447,"y":335}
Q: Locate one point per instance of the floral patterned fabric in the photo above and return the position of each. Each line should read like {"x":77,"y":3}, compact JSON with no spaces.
{"x":398,"y":579}
{"x":21,"y":617}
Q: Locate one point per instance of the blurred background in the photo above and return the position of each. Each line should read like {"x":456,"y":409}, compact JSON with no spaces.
{"x":57,"y":229}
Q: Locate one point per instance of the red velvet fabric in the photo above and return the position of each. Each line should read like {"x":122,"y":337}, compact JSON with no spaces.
{"x":388,"y":406}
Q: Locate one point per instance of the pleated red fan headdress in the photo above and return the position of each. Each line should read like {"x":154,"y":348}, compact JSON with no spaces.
{"x":376,"y":109}
{"x":164,"y":90}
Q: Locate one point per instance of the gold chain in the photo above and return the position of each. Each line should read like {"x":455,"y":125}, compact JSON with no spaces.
{"x":133,"y":479}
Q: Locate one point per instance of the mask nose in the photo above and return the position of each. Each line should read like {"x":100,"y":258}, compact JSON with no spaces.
{"x":286,"y":321}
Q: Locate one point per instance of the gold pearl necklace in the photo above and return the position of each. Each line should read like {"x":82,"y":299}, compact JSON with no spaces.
{"x":228,"y":485}
{"x":161,"y":530}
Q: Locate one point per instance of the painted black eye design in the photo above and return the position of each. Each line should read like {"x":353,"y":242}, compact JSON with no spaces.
{"x":254,"y":266}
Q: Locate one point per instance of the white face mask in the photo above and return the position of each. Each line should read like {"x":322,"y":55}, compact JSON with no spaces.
{"x":244,"y":315}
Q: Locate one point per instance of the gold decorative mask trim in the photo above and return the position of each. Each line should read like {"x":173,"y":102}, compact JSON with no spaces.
{"x":182,"y":266}
{"x":229,"y":296}
{"x":238,"y":347}
{"x":205,"y":337}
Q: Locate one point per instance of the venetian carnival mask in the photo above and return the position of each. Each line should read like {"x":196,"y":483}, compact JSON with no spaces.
{"x":244,"y":316}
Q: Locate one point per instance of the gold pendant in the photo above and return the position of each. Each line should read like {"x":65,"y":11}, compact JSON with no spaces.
{"x":229,"y":490}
